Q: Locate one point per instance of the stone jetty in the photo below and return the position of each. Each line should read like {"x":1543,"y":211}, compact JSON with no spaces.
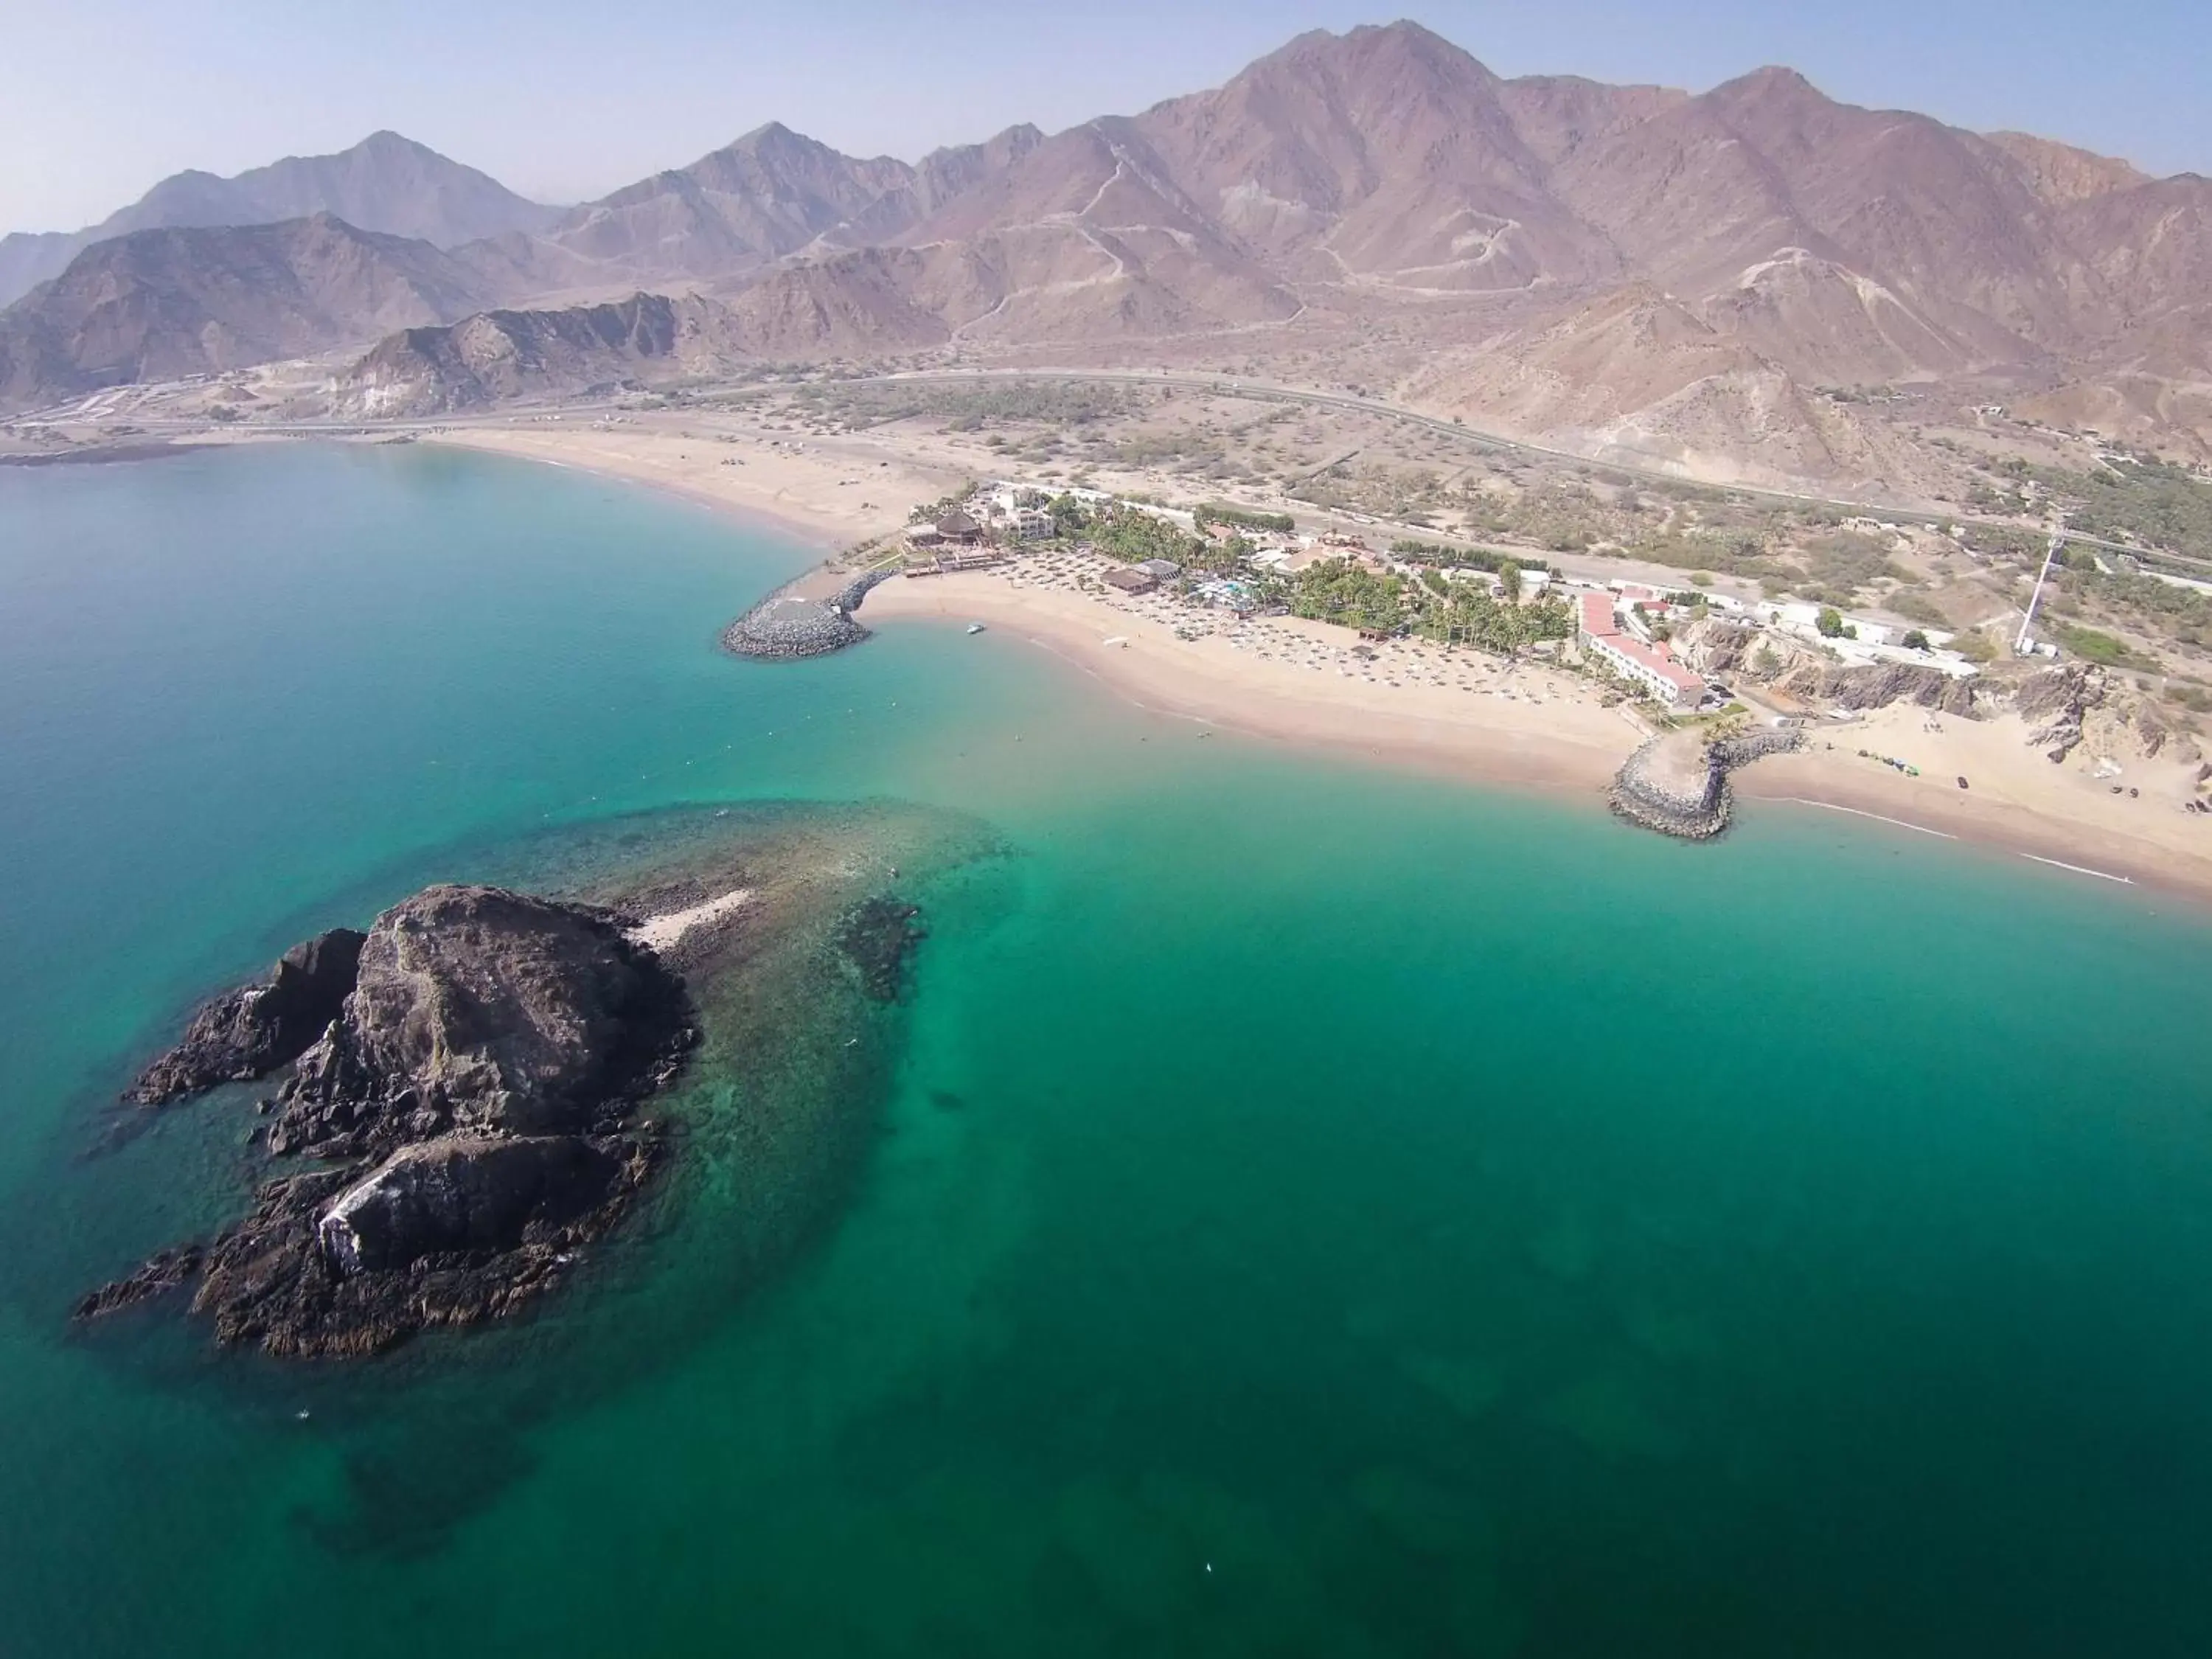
{"x":800,"y":621}
{"x":1678,"y":783}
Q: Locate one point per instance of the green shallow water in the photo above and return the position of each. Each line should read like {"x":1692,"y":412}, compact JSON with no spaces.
{"x":1302,"y":1209}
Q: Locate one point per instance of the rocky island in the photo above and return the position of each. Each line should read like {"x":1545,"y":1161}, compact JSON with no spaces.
{"x":465,"y":1078}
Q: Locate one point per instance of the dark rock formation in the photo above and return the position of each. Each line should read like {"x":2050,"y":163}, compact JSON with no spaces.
{"x":878,"y":937}
{"x":1719,"y":647}
{"x":1877,"y":685}
{"x":2055,"y":700}
{"x":249,"y":1033}
{"x":163,"y":1271}
{"x":482,"y":1010}
{"x":463,"y":1192}
{"x":787,"y":625}
{"x":1677,"y":784}
{"x":479,"y":1081}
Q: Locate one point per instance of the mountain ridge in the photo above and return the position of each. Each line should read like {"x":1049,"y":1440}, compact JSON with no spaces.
{"x":1385,"y":182}
{"x":165,"y":303}
{"x":387,"y":183}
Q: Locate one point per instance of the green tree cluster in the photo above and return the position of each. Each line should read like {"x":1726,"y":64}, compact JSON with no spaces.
{"x":1243,"y":518}
{"x":1340,"y":591}
{"x":1463,"y":558}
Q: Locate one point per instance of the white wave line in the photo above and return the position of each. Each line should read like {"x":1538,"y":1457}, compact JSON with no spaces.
{"x":1830,"y":806}
{"x":2082,"y":869}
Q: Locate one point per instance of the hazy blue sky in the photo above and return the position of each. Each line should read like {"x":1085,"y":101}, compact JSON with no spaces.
{"x":567,"y":99}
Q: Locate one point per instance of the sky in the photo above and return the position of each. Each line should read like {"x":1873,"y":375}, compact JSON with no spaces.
{"x":564,"y":100}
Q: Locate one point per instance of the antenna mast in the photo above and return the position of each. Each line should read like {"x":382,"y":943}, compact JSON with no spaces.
{"x":2022,"y":646}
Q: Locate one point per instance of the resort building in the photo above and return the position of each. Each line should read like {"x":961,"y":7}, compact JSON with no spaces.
{"x":1161,"y":570}
{"x":1652,"y":668}
{"x":1130,"y":579}
{"x":1232,"y":594}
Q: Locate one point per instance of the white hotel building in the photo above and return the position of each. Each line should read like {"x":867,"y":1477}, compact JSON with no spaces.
{"x":1652,"y":667}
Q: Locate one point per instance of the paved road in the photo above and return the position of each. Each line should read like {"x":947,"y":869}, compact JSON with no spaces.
{"x":1232,"y":386}
{"x":1496,"y":442}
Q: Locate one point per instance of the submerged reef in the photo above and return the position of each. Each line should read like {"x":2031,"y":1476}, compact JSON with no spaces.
{"x":456,"y":1110}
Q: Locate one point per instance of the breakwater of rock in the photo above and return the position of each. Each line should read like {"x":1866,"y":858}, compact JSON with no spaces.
{"x":789,"y":623}
{"x":1677,"y":784}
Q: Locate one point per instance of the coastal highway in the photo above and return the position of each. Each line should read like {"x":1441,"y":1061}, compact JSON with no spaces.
{"x":1495,"y":443}
{"x":1218,"y":385}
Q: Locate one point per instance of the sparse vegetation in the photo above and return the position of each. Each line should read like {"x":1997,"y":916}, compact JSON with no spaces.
{"x":2103,"y":649}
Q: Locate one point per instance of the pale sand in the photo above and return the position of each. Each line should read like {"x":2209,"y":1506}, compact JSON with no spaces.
{"x":829,"y":493}
{"x":2017,"y":800}
{"x":662,"y":931}
{"x":1291,"y":680}
{"x":1285,"y":677}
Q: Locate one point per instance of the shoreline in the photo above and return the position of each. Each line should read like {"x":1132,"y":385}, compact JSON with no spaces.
{"x":796,"y":496}
{"x":1996,"y":830}
{"x":1570,"y":747}
{"x":1538,"y":727}
{"x":1559,"y":743}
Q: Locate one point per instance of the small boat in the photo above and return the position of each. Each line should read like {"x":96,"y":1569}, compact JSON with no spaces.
{"x":974,"y":628}
{"x":1122,"y":640}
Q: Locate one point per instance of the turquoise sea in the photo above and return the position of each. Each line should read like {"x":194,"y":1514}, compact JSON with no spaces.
{"x":1301,"y":1209}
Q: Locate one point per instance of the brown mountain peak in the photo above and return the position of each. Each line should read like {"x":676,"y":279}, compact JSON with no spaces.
{"x":1375,"y":51}
{"x":1773,"y":92}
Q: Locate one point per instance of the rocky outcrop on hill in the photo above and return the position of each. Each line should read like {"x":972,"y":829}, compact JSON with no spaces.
{"x":1716,"y":646}
{"x":500,"y":354}
{"x":1877,"y":685}
{"x":248,"y":1033}
{"x":856,"y":306}
{"x":2077,"y":706}
{"x":2055,"y":702}
{"x":477,"y":1085}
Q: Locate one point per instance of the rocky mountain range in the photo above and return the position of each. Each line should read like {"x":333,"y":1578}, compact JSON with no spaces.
{"x":386,"y":183}
{"x":1607,"y":263}
{"x":158,"y":305}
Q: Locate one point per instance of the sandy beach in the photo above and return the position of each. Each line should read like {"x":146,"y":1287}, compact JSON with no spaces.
{"x":1456,"y":711}
{"x":2016,"y":799}
{"x":1459,"y":714}
{"x":825,"y":493}
{"x":1469,"y":715}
